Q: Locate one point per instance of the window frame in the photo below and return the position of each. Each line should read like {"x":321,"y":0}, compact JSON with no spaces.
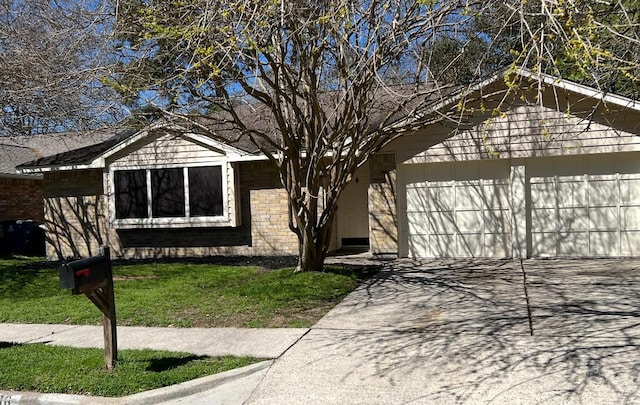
{"x":172,"y":222}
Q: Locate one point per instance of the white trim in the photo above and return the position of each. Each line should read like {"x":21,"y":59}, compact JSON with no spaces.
{"x":582,"y":89}
{"x":431,"y":108}
{"x":213,"y":143}
{"x":233,"y":154}
{"x":525,"y":73}
{"x":248,"y":158}
{"x":158,"y":223}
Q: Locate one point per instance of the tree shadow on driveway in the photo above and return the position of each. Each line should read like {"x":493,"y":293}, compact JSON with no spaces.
{"x":476,"y":332}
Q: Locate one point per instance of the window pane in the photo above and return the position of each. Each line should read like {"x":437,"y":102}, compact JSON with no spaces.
{"x":131,"y":193}
{"x":205,"y":191}
{"x":167,"y":193}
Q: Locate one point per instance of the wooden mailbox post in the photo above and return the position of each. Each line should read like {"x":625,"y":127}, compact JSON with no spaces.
{"x":93,"y":277}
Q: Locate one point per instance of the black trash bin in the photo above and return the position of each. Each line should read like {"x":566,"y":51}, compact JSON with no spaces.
{"x":24,"y":238}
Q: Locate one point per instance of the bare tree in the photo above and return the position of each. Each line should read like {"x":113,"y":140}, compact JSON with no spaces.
{"x":595,"y":42}
{"x":52,"y":56}
{"x":321,"y":86}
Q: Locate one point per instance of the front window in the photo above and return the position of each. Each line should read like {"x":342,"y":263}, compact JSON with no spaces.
{"x":187,"y":193}
{"x":131,"y":193}
{"x":205,"y":191}
{"x":167,"y":193}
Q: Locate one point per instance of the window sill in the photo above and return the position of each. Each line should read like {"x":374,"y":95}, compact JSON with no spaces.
{"x":158,"y":223}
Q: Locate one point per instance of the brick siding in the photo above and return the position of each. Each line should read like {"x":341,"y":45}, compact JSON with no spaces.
{"x":77,"y":221}
{"x":383,"y":224}
{"x":21,"y":199}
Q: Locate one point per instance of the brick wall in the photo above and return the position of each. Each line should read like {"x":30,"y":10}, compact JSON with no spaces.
{"x":77,"y":221}
{"x":21,"y":199}
{"x":383,"y":219}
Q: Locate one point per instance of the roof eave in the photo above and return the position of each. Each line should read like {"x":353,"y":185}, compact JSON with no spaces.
{"x":586,"y":91}
{"x":96,"y":164}
{"x":19,"y":175}
{"x":526,"y":73}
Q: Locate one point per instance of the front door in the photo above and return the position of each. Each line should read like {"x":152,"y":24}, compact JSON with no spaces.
{"x":353,"y":211}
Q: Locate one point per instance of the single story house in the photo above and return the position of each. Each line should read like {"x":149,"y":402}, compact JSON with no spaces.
{"x":551,"y":169}
{"x":22,"y":194}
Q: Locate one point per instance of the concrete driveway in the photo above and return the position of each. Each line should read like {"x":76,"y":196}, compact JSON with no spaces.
{"x":545,"y":331}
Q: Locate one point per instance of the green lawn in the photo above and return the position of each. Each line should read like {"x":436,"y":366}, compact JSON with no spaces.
{"x":67,"y":370}
{"x":177,"y":294}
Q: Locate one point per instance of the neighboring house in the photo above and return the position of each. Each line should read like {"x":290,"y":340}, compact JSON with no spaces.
{"x":21,"y":195}
{"x":548,"y":171}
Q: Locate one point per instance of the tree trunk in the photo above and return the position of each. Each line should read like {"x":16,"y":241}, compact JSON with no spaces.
{"x":313,"y":248}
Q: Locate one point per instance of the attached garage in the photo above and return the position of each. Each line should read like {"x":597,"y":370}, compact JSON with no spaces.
{"x":585,"y":205}
{"x":459,"y":209}
{"x":556,"y":177}
{"x":566,"y":206}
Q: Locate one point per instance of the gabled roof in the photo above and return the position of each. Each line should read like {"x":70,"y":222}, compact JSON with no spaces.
{"x":242,"y":148}
{"x":557,"y":82}
{"x":79,"y":156}
{"x":93,"y":156}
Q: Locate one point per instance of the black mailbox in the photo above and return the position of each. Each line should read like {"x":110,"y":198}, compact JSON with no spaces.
{"x":85,"y":271}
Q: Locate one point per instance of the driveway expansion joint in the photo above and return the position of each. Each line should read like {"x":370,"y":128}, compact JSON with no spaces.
{"x":526,"y":297}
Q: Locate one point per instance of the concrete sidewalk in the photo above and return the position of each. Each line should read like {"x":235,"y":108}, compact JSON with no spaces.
{"x":260,"y":343}
{"x":231,"y":388}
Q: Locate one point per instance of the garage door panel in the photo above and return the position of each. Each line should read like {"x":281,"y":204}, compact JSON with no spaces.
{"x":442,"y":197}
{"x":498,"y":221}
{"x":573,"y":243}
{"x":468,"y":197}
{"x":543,"y":243}
{"x":418,"y":245}
{"x":543,"y":195}
{"x":416,"y":223}
{"x":630,"y":243}
{"x":630,"y":191}
{"x":596,"y":204}
{"x":469,"y":221}
{"x":603,"y":192}
{"x":602,"y":243}
{"x":456,"y":208}
{"x":495,"y":244}
{"x":469,"y":245}
{"x":572,"y":194}
{"x":573,"y":219}
{"x":441,"y":246}
{"x":630,"y":218}
{"x":603,"y":218}
{"x":496,"y":195}
{"x":543,"y":220}
{"x":416,"y":200}
{"x":440,"y":222}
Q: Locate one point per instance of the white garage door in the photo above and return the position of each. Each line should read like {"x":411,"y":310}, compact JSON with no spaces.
{"x":585,"y":205}
{"x":458,"y":209}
